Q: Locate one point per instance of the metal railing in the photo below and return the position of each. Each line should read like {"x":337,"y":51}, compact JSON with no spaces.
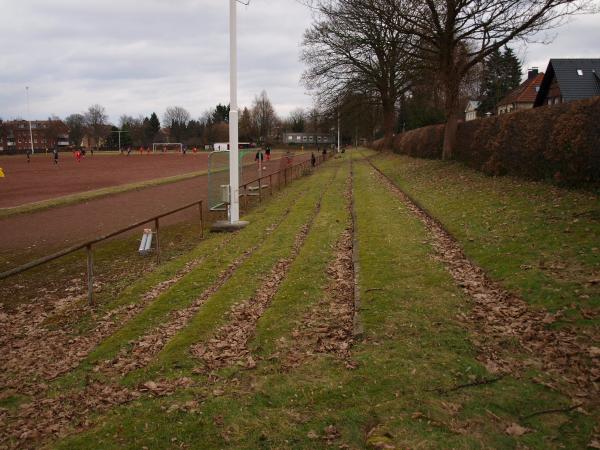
{"x":88,"y":246}
{"x":289,"y":173}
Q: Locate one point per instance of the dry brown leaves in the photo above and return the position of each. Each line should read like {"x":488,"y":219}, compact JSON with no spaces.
{"x":148,"y":346}
{"x":50,"y":418}
{"x":329,"y":326}
{"x":499,"y":315}
{"x":30,"y":351}
{"x":230,"y":344}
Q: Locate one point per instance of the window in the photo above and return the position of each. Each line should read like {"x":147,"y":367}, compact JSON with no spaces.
{"x":580,"y":72}
{"x":537,"y":89}
{"x":290,"y":138}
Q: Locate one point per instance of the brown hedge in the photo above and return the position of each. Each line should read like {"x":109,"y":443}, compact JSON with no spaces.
{"x":560,"y":142}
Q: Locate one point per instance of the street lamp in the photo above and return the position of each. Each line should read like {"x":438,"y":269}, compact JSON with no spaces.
{"x":29,"y":119}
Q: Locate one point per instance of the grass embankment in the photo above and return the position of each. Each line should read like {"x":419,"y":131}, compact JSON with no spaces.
{"x":539,"y":240}
{"x":217,"y":258}
{"x":412,"y":345}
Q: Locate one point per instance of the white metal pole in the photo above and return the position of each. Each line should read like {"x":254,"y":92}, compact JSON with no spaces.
{"x":234,"y":182}
{"x":29,"y":119}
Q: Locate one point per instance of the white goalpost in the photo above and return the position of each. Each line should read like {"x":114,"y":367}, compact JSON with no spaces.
{"x":166,"y":147}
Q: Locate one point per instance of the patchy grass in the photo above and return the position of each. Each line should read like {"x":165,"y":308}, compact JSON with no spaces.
{"x":412,"y":346}
{"x":175,"y":359}
{"x":183,"y":293}
{"x":538,"y":240}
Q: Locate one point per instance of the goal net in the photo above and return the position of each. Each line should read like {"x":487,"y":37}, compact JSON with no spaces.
{"x":218,"y":179}
{"x":167,"y":147}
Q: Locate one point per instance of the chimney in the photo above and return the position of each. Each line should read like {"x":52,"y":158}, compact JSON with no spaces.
{"x":532,"y":73}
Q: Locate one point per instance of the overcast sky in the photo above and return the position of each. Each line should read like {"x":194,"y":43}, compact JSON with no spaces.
{"x":136,"y":57}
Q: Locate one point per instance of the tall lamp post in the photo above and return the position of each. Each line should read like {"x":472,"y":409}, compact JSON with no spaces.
{"x":29,"y":119}
{"x":234,"y":221}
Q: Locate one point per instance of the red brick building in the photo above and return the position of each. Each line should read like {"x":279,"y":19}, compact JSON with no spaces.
{"x":47,"y":134}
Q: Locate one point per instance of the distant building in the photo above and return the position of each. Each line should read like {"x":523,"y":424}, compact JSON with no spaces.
{"x":523,"y":96}
{"x":47,"y":134}
{"x":307,"y":138}
{"x":567,"y":80}
{"x":471,"y":112}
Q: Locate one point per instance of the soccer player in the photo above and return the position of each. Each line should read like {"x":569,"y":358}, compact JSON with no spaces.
{"x":55,"y":154}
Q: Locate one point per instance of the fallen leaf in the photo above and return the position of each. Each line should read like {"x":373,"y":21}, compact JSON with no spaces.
{"x":516,"y":430}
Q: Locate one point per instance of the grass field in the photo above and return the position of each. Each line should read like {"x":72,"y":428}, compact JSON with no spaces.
{"x":250,"y":340}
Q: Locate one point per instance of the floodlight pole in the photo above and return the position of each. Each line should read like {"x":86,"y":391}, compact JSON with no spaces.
{"x":29,"y":119}
{"x":234,"y":182}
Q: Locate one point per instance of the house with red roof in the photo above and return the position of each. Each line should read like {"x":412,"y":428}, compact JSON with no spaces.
{"x":522,"y":97}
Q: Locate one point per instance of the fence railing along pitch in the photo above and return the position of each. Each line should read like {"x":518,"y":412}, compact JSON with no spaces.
{"x":88,"y":246}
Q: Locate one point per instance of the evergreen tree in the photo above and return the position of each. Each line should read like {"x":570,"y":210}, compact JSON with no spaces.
{"x":154,"y":124}
{"x":501,"y":74}
{"x":221,"y":114}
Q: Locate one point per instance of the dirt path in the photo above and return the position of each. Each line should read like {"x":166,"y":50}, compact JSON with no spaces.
{"x":497,"y":315}
{"x":26,"y":236}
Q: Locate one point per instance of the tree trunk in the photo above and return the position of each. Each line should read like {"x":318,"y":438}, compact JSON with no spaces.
{"x":449,"y":137}
{"x":389,"y":123}
{"x":452,"y":87}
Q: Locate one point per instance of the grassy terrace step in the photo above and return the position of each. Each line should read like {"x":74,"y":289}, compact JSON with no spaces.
{"x":412,"y":345}
{"x":175,"y":359}
{"x":539,"y":240}
{"x":303,"y":287}
{"x":191,"y":286}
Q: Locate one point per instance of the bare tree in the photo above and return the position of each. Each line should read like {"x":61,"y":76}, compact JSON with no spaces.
{"x":297,"y":121}
{"x":76,"y":124}
{"x":247,"y":132}
{"x":53,"y":128}
{"x":263,"y":116}
{"x":96,"y":122}
{"x":453,"y":36}
{"x":176,"y":115}
{"x":176,"y":119}
{"x":357,"y":46}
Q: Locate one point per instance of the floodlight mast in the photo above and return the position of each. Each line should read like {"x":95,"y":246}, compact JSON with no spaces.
{"x":234,"y":182}
{"x":29,"y":119}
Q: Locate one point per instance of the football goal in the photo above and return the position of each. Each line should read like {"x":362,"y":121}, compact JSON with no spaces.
{"x":167,"y":147}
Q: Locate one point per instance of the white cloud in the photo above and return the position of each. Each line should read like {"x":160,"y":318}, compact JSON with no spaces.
{"x":137,"y":57}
